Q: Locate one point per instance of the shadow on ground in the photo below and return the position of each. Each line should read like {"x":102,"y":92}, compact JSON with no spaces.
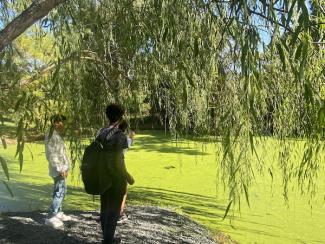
{"x":145,"y":225}
{"x":153,"y":143}
{"x":207,"y":210}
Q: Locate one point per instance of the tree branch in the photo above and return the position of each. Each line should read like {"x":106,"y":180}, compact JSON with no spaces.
{"x":85,"y":55}
{"x":321,"y":7}
{"x":270,"y":19}
{"x":37,"y":10}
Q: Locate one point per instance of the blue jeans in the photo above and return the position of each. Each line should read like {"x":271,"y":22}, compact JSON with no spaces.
{"x":59,"y":191}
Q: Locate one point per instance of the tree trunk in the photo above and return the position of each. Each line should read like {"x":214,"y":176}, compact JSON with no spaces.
{"x":37,"y":10}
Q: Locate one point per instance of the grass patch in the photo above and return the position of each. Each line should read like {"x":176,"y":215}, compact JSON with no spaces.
{"x":182,"y":178}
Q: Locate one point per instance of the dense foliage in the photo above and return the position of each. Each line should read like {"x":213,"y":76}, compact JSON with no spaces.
{"x":234,"y":70}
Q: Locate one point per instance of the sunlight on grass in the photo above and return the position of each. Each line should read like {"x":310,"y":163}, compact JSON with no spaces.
{"x":183,"y":178}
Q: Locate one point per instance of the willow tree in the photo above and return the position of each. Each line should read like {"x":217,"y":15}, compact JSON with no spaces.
{"x":233,"y":70}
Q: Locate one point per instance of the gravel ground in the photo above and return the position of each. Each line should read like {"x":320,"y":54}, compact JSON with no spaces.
{"x":145,"y":225}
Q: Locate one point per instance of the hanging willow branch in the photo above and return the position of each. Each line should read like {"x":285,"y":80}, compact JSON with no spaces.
{"x":196,"y":64}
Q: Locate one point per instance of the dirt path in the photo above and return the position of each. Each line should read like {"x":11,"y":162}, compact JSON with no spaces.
{"x":145,"y":225}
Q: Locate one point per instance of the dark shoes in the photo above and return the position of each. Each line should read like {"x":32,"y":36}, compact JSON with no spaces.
{"x":116,"y":240}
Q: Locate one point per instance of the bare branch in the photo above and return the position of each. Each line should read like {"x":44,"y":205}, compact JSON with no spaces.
{"x":270,"y":19}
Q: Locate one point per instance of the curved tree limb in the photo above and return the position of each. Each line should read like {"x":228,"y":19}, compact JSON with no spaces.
{"x":37,"y":10}
{"x":85,"y":55}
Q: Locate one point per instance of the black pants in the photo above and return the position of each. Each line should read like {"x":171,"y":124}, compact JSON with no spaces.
{"x":110,"y":207}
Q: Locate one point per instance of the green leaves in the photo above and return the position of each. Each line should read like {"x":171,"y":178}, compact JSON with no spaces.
{"x":4,"y":143}
{"x":295,"y":36}
{"x":246,"y":194}
{"x":185,"y":95}
{"x":304,"y":16}
{"x":19,"y":131}
{"x":271,"y":173}
{"x":227,"y":210}
{"x":196,"y":47}
{"x":165,"y":34}
{"x":21,"y":156}
{"x":198,"y":67}
{"x":20,"y":101}
{"x":321,"y":115}
{"x":304,"y":56}
{"x":8,"y":188}
{"x":4,"y":167}
{"x":51,"y":132}
{"x":20,"y":144}
{"x":309,"y":95}
{"x":299,"y":51}
{"x":282,"y":55}
{"x":251,"y":141}
{"x":290,"y":12}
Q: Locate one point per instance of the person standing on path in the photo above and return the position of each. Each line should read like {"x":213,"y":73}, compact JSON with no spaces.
{"x":59,"y":164}
{"x":115,"y":142}
{"x":123,"y":126}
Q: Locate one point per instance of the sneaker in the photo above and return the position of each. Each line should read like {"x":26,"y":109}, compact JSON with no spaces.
{"x":123,"y":219}
{"x":53,"y":222}
{"x":61,"y":216}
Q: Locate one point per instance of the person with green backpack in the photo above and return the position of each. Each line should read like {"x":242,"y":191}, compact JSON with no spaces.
{"x":114,"y":142}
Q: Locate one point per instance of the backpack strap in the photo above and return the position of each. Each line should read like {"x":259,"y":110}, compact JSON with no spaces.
{"x":106,"y":133}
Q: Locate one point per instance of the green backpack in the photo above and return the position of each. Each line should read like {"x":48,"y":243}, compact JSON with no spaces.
{"x":96,"y":170}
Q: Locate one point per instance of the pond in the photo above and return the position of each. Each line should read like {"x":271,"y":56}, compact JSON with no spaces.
{"x":183,"y":177}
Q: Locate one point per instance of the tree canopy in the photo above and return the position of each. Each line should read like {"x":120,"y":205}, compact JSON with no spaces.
{"x":231,"y":70}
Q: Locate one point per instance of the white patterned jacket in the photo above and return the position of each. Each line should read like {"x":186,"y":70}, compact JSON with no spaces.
{"x":56,"y":154}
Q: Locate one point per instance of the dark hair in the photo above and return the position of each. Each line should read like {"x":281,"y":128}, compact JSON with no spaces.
{"x":57,"y":118}
{"x":123,"y":125}
{"x":114,"y":112}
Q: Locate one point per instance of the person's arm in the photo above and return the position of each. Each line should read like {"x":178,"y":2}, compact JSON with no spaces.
{"x":130,"y":142}
{"x":132,"y":136}
{"x":66,"y":162}
{"x":121,"y":167}
{"x":123,"y":143}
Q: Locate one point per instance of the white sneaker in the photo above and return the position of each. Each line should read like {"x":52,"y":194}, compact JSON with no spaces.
{"x":61,"y":216}
{"x":123,"y":219}
{"x":54,"y":222}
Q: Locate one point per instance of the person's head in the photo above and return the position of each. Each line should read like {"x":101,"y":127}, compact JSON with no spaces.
{"x":57,"y":121}
{"x":123,"y":125}
{"x":114,"y":113}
